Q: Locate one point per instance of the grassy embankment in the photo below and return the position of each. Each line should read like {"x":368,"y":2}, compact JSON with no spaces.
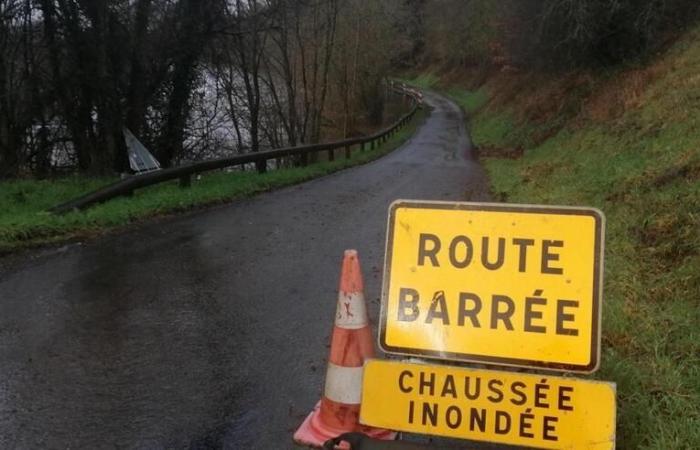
{"x":24,"y":222}
{"x":628,"y":143}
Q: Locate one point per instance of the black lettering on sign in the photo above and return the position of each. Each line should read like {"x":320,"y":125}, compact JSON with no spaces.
{"x":531,"y":314}
{"x":438,"y":309}
{"x":449,"y":387}
{"x":503,"y":422}
{"x":406,"y":304}
{"x":426,"y":384}
{"x":523,"y":244}
{"x":411,"y":407}
{"x":453,"y":417}
{"x":477,"y":388}
{"x":517,"y":389}
{"x":428,"y":247}
{"x":564,"y":317}
{"x":429,"y":414}
{"x":548,"y":256}
{"x":468,"y":252}
{"x":461,"y":252}
{"x":495,"y":389}
{"x":472,"y":312}
{"x":404,"y":387}
{"x":526,"y":419}
{"x":477,"y":418}
{"x":497,"y":314}
{"x":549,"y":428}
{"x":541,"y":389}
{"x":485,"y":253}
{"x":564,"y":398}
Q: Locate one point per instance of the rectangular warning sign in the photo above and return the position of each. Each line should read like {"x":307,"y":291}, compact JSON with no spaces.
{"x":514,"y":285}
{"x":483,"y":405}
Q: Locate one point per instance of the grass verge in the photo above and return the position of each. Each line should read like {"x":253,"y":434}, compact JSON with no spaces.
{"x":24,"y":221}
{"x":632,"y":149}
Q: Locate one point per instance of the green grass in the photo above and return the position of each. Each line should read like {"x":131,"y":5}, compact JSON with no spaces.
{"x":471,"y":101}
{"x":423,"y":81}
{"x":641,"y":168}
{"x":488,"y":128}
{"x":651,"y":319}
{"x":493,"y":128}
{"x":24,"y":221}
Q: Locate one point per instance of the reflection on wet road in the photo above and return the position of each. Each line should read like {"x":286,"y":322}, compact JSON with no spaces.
{"x":209,"y":330}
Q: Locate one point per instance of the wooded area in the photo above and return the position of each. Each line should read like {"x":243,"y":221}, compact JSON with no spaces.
{"x":541,"y":34}
{"x":191,"y":79}
{"x":199,"y":79}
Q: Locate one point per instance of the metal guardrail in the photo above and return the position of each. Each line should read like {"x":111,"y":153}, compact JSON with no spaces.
{"x":184,"y":173}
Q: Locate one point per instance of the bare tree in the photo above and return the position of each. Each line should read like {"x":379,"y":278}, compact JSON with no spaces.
{"x":17,"y":67}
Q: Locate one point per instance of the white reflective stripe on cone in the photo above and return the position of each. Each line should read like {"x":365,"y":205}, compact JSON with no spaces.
{"x":351,"y":312}
{"x":344,"y":384}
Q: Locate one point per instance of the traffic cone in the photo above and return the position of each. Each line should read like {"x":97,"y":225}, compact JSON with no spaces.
{"x":338,"y":411}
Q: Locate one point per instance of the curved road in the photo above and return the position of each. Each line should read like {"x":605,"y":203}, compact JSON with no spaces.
{"x":209,"y":330}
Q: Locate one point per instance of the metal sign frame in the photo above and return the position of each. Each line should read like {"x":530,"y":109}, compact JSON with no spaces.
{"x":597,"y":277}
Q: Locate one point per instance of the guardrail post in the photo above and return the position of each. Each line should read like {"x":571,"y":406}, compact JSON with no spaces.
{"x":299,"y":154}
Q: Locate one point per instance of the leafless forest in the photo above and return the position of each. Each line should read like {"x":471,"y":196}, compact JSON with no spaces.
{"x":194,"y":79}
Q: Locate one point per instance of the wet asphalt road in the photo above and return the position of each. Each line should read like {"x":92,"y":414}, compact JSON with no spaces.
{"x":209,"y":330}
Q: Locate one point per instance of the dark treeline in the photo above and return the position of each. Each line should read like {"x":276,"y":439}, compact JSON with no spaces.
{"x":190,"y":78}
{"x":542,"y":34}
{"x":74,"y":73}
{"x":196,"y":79}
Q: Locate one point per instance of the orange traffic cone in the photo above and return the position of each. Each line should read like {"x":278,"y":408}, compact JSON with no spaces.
{"x":351,"y":344}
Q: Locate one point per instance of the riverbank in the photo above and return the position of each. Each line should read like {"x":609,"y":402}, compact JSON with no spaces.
{"x":25,"y":223}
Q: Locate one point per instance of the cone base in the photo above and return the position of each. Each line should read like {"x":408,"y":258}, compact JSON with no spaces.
{"x":314,"y":433}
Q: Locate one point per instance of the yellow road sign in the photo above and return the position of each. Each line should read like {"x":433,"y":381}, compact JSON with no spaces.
{"x":501,"y":284}
{"x":484,"y":405}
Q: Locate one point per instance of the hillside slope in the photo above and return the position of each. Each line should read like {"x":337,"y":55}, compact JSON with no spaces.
{"x":628,"y":143}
